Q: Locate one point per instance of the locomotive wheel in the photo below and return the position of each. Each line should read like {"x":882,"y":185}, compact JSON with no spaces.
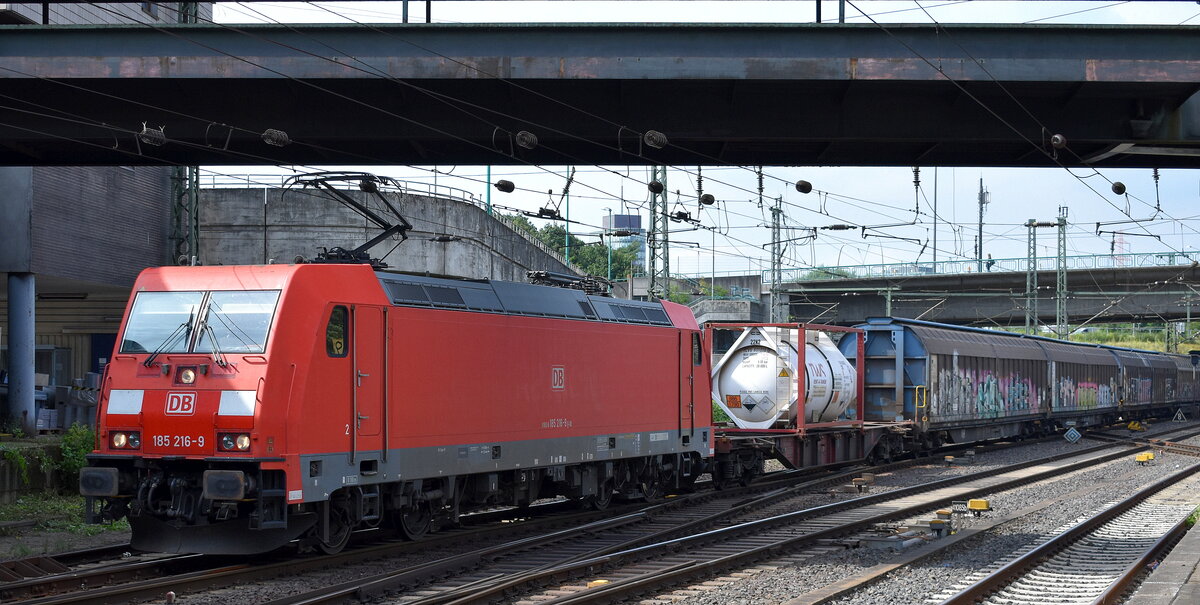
{"x":602,"y":498}
{"x":652,"y":488}
{"x":651,"y":482}
{"x":341,"y":525}
{"x":414,"y":521}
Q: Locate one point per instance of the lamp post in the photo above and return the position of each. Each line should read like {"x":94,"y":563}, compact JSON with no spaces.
{"x":607,"y":227}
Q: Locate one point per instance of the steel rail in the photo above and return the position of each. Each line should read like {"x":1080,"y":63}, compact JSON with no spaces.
{"x":629,"y":588}
{"x":467,"y":592}
{"x":215,"y":572}
{"x":1115,"y":592}
{"x":381,"y":584}
{"x":223,"y":573}
{"x":1022,"y":565}
{"x":248,"y":569}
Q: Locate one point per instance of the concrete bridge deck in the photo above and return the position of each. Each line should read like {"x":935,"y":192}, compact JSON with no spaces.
{"x":1120,"y":294}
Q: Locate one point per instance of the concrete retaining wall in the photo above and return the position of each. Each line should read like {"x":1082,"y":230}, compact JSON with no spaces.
{"x":254,"y":226}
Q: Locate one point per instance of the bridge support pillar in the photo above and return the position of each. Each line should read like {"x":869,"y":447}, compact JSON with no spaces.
{"x":21,"y":404}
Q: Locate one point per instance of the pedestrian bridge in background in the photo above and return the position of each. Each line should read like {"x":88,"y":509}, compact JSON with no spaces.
{"x":1100,"y":289}
{"x":997,"y":265}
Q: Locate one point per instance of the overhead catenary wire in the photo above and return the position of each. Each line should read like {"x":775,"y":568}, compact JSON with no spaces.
{"x":610,"y":171}
{"x":623,"y":200}
{"x":1013,"y":98}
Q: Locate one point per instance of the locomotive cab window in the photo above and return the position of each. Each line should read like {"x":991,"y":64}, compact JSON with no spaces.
{"x":335,"y":333}
{"x":696,"y":354}
{"x":162,"y":321}
{"x":235,"y":321}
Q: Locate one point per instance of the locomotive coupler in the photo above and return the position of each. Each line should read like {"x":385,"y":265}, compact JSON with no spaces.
{"x":226,"y":511}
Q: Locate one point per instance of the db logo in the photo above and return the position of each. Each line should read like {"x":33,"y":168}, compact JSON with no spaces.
{"x":558,"y":378}
{"x":181,"y":404}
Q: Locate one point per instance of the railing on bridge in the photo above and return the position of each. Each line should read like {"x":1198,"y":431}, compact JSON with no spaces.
{"x":999,"y":265}
{"x":252,"y":181}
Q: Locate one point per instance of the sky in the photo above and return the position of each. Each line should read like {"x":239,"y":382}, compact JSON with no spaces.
{"x":738,"y":239}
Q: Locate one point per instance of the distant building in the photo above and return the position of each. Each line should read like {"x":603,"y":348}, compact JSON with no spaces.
{"x":632,"y":223}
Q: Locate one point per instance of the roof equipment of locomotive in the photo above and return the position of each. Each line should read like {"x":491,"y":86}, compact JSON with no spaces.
{"x":367,"y":183}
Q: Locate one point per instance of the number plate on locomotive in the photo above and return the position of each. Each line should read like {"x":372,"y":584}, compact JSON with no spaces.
{"x":185,"y":441}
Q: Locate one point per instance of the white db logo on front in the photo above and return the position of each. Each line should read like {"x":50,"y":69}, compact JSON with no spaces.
{"x":181,"y":404}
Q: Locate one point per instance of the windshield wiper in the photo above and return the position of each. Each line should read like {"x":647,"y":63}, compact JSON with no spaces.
{"x":184,"y":328}
{"x":218,"y":356}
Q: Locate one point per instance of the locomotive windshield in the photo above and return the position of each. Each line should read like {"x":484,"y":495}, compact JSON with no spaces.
{"x":238,"y":322}
{"x":186,"y":322}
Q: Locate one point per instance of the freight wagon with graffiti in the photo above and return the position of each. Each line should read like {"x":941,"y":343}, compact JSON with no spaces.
{"x":952,"y":384}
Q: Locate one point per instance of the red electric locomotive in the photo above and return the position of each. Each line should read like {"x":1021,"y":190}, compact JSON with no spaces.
{"x":249,"y":406}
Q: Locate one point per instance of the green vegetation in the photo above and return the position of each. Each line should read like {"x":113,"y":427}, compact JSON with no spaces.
{"x":707,"y":289}
{"x":1192,"y":518}
{"x":25,"y":455}
{"x":675,"y":295}
{"x":1133,"y":336}
{"x":719,"y":415}
{"x":77,"y":443}
{"x":589,"y":257}
{"x":16,"y":455}
{"x":818,"y":274}
{"x":11,"y":426}
{"x":55,"y":512}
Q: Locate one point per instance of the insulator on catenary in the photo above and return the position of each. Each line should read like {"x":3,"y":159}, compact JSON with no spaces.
{"x":152,"y":136}
{"x":526,"y":139}
{"x":655,"y":139}
{"x":276,"y":138}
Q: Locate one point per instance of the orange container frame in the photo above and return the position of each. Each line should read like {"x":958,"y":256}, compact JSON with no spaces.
{"x":802,"y":426}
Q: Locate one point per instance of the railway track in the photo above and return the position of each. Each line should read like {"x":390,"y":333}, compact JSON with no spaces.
{"x":1159,"y":444}
{"x":1093,"y":561}
{"x":104,"y":575}
{"x":642,"y":558}
{"x":149,"y":576}
{"x":116,"y":573}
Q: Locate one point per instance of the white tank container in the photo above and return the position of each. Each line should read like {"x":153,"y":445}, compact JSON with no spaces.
{"x":755,"y":382}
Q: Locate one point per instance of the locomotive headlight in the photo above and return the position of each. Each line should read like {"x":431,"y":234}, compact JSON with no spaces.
{"x":187,"y":376}
{"x":131,"y":440}
{"x":234,"y":442}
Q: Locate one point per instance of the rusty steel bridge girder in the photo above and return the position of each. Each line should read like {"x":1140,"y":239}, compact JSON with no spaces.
{"x":786,"y":94}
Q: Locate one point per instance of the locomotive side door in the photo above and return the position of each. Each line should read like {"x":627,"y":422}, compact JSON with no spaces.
{"x":688,"y":351}
{"x":368,"y":379}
